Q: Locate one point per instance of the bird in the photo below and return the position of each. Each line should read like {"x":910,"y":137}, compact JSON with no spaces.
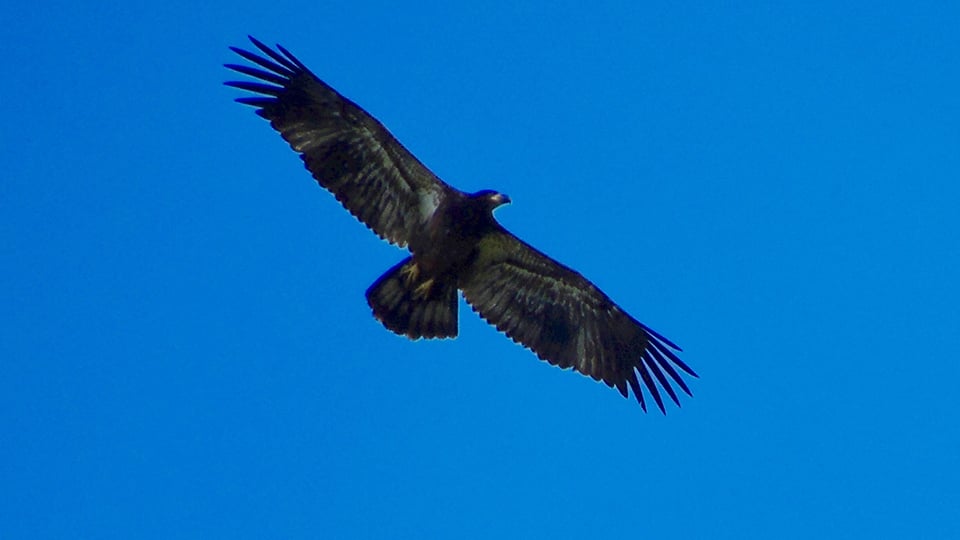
{"x":454,"y":240}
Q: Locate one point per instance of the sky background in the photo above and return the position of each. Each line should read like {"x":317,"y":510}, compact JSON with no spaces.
{"x":185,"y":349}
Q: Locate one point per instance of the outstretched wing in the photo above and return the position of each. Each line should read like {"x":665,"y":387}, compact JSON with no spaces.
{"x":348,"y":151}
{"x":568,"y":321}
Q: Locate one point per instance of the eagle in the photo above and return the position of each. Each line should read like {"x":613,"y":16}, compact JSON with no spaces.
{"x":455,"y":243}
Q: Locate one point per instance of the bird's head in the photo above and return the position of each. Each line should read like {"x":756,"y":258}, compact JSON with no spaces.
{"x":492,"y":198}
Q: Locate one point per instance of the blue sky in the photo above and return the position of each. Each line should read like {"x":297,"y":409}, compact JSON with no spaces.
{"x":185,"y":350}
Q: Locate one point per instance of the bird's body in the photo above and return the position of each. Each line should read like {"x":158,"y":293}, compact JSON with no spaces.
{"x":418,"y":297}
{"x":450,"y":236}
{"x":454,"y":240}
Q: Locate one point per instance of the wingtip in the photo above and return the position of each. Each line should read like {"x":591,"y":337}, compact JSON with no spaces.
{"x":638,"y":395}
{"x":661,"y":407}
{"x":259,"y":44}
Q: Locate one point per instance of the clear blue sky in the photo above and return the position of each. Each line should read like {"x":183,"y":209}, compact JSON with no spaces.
{"x":185,"y":350}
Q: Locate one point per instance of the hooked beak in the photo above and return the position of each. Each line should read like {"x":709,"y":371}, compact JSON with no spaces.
{"x":500,"y":199}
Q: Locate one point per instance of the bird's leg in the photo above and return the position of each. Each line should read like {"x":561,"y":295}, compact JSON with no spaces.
{"x":423,"y":290}
{"x":410,"y":273}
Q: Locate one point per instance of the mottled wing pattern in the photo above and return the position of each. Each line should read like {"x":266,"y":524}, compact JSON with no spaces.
{"x":348,"y":151}
{"x":567,"y":321}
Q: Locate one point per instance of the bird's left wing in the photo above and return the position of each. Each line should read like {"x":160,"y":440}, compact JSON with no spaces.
{"x":568,"y":321}
{"x":346,"y":149}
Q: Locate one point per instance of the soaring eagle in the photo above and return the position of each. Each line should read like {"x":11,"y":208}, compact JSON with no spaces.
{"x":454,"y":241}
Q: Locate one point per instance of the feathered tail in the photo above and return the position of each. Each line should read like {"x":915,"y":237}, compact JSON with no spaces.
{"x":414,"y":305}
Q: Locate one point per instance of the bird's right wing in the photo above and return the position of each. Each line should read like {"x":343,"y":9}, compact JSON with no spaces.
{"x":566,"y":320}
{"x":347,"y":150}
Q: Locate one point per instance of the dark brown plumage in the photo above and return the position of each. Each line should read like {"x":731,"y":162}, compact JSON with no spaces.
{"x":455,"y":242}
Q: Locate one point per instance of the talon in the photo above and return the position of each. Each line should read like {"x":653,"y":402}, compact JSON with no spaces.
{"x":423,"y":290}
{"x":410,"y":273}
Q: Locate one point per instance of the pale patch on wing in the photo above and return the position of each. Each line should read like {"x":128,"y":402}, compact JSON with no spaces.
{"x":582,"y":343}
{"x":427,"y":203}
{"x":303,"y":140}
